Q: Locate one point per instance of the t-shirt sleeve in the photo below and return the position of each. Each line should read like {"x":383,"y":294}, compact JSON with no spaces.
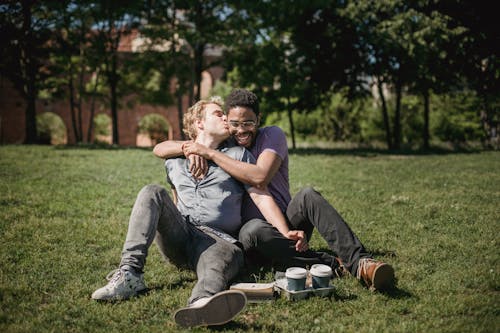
{"x":247,"y":157}
{"x":168,"y":165}
{"x":275,"y":141}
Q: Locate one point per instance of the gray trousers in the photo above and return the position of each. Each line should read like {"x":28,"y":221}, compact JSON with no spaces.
{"x":155,"y":217}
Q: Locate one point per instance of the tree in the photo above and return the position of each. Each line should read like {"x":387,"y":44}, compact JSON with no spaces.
{"x":303,"y":52}
{"x":178,"y":36}
{"x":164,"y":63}
{"x":25,"y":29}
{"x":74,"y":63}
{"x":113,"y":20}
{"x":476,"y":58}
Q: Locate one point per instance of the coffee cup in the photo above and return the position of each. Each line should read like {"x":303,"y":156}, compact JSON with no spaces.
{"x":321,"y":275}
{"x":296,"y":278}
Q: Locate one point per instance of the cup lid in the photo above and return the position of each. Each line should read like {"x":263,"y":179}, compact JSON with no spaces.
{"x":296,"y":273}
{"x":321,"y":270}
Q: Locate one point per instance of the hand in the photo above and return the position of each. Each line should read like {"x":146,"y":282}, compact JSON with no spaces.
{"x":191,"y":147}
{"x":197,"y":166}
{"x":301,"y":239}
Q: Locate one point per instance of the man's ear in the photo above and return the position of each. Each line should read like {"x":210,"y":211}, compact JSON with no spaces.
{"x":199,"y":124}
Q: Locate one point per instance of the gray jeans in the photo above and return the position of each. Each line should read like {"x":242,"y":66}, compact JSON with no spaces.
{"x":155,"y":217}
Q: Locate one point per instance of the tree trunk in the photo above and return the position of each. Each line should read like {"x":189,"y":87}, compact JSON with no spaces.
{"x":113,"y":82}
{"x":489,"y":125}
{"x":81,"y":92}
{"x":385,"y":115}
{"x":31,"y":130}
{"x":71,"y":89}
{"x":426,"y":119}
{"x":29,"y":77}
{"x":92,"y":107}
{"x":397,"y":116}
{"x":290,"y":120}
{"x":198,"y":68}
{"x":180,"y":113}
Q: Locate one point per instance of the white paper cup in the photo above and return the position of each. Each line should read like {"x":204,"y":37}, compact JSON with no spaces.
{"x":296,"y":278}
{"x":321,"y":275}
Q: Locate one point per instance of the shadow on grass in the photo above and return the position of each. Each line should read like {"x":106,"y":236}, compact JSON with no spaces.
{"x":373,"y":152}
{"x":397,"y":293}
{"x":383,"y":253}
{"x":235,"y":326}
{"x":86,"y":146}
{"x":361,"y":152}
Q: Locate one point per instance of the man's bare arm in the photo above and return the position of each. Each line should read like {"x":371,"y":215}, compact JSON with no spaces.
{"x":268,"y":207}
{"x":174,"y":196}
{"x":258,"y":175}
{"x":168,"y":149}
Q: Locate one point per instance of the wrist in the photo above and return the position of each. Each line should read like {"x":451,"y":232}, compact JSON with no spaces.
{"x":183,"y":145}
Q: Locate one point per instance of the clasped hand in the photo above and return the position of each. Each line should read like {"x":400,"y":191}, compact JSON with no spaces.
{"x":198,"y":165}
{"x":301,"y":245}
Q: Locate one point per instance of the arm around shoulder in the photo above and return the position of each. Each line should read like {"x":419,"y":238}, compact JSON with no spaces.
{"x":168,"y":149}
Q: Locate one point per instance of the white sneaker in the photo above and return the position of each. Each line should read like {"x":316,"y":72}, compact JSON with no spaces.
{"x":215,"y":310}
{"x":122,"y":285}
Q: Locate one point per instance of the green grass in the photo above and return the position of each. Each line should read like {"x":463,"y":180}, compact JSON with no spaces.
{"x":435,"y":217}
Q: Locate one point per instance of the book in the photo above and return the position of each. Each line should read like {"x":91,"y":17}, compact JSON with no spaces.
{"x":256,"y":292}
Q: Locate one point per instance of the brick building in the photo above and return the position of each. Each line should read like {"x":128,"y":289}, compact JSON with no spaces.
{"x":12,"y":108}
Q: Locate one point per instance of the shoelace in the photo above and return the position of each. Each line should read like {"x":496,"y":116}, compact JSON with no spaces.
{"x":363,"y":266}
{"x":114,"y":276}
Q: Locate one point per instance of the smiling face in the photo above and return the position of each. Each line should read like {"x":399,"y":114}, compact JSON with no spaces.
{"x":243,"y":125}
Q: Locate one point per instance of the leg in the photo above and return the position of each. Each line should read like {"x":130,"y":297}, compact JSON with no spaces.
{"x":153,"y":209}
{"x":309,"y":209}
{"x":261,"y":240}
{"x":155,"y":216}
{"x":217,"y":262}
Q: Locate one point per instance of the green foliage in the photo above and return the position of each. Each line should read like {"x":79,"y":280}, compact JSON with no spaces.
{"x":155,"y":126}
{"x":51,"y":129}
{"x":221,"y":89}
{"x":294,"y":55}
{"x":102,"y":125}
{"x":430,"y":216}
{"x":456,"y":118}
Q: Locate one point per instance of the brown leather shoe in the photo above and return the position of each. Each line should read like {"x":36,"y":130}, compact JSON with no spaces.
{"x":375,"y":274}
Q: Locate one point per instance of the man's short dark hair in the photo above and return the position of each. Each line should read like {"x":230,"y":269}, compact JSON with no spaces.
{"x":242,"y":98}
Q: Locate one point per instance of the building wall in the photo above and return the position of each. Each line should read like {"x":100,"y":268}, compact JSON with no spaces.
{"x":12,"y":113}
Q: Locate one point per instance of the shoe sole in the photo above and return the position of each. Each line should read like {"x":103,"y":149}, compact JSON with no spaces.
{"x":220,"y":309}
{"x":383,"y":277}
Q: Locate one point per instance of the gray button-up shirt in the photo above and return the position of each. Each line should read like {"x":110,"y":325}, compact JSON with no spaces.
{"x":215,"y":201}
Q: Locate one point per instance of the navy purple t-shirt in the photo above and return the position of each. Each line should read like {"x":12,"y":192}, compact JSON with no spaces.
{"x":271,"y":139}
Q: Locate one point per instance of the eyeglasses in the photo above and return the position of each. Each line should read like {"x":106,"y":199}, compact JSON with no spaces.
{"x":247,"y":124}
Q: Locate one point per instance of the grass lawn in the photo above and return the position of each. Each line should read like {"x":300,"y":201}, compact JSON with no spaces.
{"x":434,"y":217}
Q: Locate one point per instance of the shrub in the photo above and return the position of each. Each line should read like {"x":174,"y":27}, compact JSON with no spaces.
{"x":51,"y":129}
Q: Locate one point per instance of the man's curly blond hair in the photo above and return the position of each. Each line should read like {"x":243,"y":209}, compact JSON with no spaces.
{"x":197,"y":112}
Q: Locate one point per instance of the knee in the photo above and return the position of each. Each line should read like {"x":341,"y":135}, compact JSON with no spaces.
{"x":307,"y":192}
{"x":221,"y":259}
{"x":153,"y":192}
{"x":250,"y":233}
